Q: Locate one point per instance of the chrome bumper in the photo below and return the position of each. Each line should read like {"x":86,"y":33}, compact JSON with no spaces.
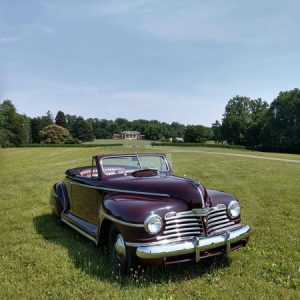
{"x":193,"y":246}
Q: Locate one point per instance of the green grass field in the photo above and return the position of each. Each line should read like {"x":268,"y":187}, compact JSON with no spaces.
{"x":40,"y":259}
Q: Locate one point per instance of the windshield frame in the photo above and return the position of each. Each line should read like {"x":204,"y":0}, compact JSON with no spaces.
{"x":138,"y":156}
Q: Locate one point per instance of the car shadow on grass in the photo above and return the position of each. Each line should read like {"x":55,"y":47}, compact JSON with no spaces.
{"x":94,"y":260}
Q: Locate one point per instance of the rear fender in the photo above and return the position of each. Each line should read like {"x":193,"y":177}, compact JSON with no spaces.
{"x":62,"y":196}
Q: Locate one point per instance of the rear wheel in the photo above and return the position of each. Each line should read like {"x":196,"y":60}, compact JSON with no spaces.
{"x":122,"y":259}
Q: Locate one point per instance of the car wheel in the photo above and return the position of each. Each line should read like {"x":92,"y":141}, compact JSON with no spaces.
{"x":123,"y":261}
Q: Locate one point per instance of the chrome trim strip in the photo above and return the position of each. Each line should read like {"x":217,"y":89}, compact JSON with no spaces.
{"x":119,"y":221}
{"x":136,"y":192}
{"x":179,"y":226}
{"x":196,"y":245}
{"x":175,"y":221}
{"x":119,"y":190}
{"x":162,"y":242}
{"x":199,"y":212}
{"x":79,"y":230}
{"x":181,"y":230}
{"x":201,"y":195}
{"x":178,"y":234}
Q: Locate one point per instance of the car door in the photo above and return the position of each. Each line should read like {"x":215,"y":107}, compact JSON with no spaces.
{"x":85,"y":202}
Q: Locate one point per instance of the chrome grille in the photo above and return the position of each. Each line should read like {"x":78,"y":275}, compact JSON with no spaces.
{"x":197,"y":222}
{"x":217,"y":221}
{"x":182,"y":226}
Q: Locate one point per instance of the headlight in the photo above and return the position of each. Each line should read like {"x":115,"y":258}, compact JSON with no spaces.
{"x":153,"y":224}
{"x":234,"y":209}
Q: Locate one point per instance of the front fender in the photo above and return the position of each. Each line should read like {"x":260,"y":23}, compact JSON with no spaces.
{"x":133,"y":209}
{"x":217,"y":197}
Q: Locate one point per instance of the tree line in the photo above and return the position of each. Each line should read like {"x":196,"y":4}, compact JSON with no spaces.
{"x":256,"y":124}
{"x":17,"y":129}
{"x":248,"y":122}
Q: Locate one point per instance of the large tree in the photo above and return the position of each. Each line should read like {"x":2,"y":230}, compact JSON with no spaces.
{"x":217,"y":131}
{"x":14,"y":128}
{"x":122,"y":124}
{"x":258,"y":111}
{"x":176,"y":130}
{"x":154,"y":130}
{"x":82,"y":130}
{"x":60,"y":119}
{"x":37,"y":124}
{"x":197,"y":134}
{"x":242,"y":120}
{"x":236,"y":120}
{"x":282,"y":125}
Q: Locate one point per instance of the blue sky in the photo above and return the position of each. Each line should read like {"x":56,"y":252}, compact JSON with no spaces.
{"x":167,"y":60}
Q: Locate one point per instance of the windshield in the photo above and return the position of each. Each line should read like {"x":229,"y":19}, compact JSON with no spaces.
{"x":130,"y":163}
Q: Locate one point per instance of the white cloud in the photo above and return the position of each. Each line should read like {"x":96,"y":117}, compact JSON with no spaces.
{"x":171,"y":20}
{"x":9,"y":39}
{"x":193,"y":20}
{"x":26,"y":31}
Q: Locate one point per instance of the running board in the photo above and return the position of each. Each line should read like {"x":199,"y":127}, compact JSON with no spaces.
{"x":79,"y":230}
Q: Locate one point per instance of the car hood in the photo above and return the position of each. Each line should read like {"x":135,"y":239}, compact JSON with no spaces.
{"x":184,"y":189}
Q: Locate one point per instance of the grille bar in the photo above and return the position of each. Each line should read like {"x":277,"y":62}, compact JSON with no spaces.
{"x":180,"y":225}
{"x":217,"y":213}
{"x":216,"y":218}
{"x":221,"y":226}
{"x":182,"y":221}
{"x":217,"y":223}
{"x":179,"y":230}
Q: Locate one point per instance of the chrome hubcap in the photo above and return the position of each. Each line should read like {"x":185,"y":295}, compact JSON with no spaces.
{"x":120,"y":246}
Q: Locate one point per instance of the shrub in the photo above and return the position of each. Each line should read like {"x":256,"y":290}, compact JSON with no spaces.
{"x":54,"y":134}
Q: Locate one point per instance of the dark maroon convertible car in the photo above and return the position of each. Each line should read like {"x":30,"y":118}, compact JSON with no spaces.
{"x":133,"y":204}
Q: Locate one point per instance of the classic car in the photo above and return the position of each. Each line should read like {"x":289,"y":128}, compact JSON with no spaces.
{"x":133,"y":204}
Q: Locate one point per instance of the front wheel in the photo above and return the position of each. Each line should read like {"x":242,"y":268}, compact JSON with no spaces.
{"x":123,"y":261}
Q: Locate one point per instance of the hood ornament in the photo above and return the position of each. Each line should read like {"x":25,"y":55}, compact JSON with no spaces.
{"x":201,"y":196}
{"x":197,"y":185}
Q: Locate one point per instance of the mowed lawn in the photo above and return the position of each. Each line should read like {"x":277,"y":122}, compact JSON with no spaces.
{"x":40,"y":259}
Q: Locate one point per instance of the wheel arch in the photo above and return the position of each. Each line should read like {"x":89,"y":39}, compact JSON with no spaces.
{"x":62,"y":195}
{"x":104,"y":232}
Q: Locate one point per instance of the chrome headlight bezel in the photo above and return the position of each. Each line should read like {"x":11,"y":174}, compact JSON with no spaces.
{"x":234,"y":209}
{"x":153,"y":224}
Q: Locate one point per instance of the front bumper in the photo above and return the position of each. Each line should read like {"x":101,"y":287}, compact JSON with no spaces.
{"x":194,"y":246}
